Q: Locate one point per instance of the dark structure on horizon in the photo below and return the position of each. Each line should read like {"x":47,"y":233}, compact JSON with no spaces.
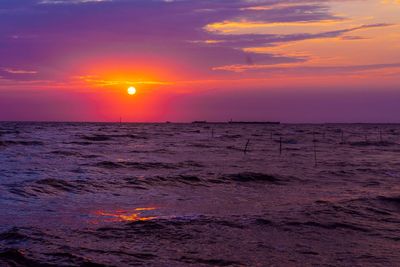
{"x":254,"y":122}
{"x":240,"y":122}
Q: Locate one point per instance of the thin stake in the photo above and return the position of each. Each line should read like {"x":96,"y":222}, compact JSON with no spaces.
{"x":280,"y":145}
{"x":342,"y":136}
{"x":380,"y":136}
{"x":271,"y":135}
{"x":212,"y":132}
{"x":247,"y":145}
{"x":315,"y":152}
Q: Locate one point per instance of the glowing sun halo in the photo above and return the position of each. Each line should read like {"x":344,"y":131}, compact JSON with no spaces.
{"x":131,"y":90}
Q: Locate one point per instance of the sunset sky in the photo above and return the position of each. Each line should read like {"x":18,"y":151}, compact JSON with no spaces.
{"x":216,"y":60}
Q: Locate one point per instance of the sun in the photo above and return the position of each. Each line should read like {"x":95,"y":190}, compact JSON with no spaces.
{"x":131,"y":90}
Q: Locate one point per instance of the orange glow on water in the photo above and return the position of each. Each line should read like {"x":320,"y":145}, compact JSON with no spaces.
{"x":127,"y":216}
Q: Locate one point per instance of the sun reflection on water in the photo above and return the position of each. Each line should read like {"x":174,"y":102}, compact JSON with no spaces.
{"x":127,"y":216}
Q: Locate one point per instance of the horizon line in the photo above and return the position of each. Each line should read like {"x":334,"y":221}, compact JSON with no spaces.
{"x":188,"y":122}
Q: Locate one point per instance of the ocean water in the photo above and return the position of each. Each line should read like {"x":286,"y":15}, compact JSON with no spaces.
{"x":92,"y":194}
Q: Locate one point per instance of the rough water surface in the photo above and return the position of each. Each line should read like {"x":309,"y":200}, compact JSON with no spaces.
{"x":92,"y":194}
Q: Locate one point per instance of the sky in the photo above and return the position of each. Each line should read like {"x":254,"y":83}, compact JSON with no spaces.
{"x":216,"y":60}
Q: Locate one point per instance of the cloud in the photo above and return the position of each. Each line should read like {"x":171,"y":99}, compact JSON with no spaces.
{"x":69,"y":2}
{"x":99,"y":82}
{"x":17,"y":71}
{"x":298,"y":69}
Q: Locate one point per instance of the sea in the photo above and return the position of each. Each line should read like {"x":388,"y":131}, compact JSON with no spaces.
{"x":204,"y":194}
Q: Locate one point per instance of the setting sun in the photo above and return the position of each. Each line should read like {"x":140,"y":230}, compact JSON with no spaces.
{"x":131,"y":90}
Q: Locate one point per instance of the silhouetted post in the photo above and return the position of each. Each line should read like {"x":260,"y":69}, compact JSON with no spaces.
{"x":380,"y":136}
{"x":342,"y":136}
{"x":247,"y":145}
{"x":315,"y":151}
{"x":271,"y":135}
{"x":212,"y":132}
{"x":280,"y":145}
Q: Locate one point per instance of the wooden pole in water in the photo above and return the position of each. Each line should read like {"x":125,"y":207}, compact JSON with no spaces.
{"x":247,"y":145}
{"x":315,"y":151}
{"x":280,"y":145}
{"x":212,"y":132}
{"x":342,"y":136}
{"x":380,"y":136}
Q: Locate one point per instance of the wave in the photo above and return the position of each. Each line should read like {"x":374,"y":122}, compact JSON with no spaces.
{"x":212,"y":262}
{"x":332,"y":225}
{"x":16,"y":258}
{"x":66,"y":153}
{"x":253,"y":177}
{"x":22,"y":143}
{"x":146,"y":165}
{"x":4,"y":132}
{"x":103,"y":137}
{"x":97,"y":138}
{"x":372,"y":143}
{"x":52,"y":186}
{"x":135,"y":165}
